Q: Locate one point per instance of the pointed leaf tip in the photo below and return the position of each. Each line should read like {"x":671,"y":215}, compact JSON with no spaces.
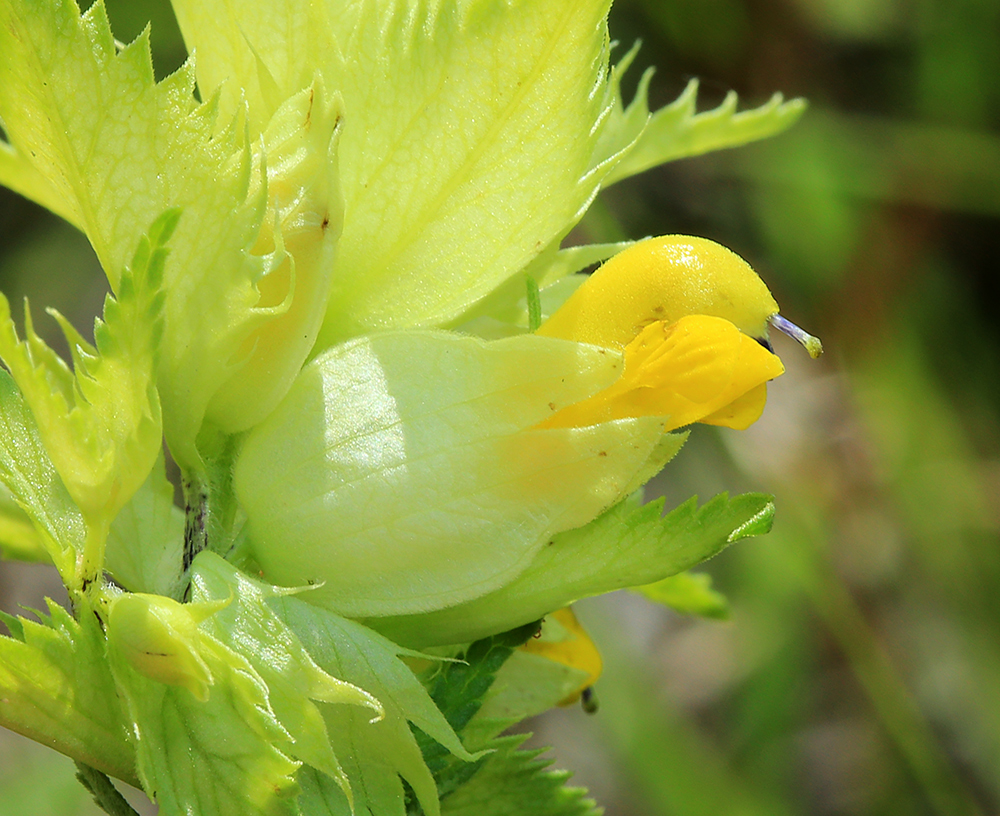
{"x":759,"y":524}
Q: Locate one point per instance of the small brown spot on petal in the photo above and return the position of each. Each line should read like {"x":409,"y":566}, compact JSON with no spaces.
{"x":309,"y":113}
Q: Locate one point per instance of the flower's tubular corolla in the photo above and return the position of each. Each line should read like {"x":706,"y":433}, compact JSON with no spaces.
{"x":699,"y":369}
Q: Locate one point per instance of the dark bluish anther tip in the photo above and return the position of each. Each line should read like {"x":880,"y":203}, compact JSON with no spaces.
{"x":765,"y":343}
{"x":811,"y":344}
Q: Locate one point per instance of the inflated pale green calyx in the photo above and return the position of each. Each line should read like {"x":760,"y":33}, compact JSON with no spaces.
{"x":404,"y":472}
{"x":159,"y":637}
{"x":302,"y":226}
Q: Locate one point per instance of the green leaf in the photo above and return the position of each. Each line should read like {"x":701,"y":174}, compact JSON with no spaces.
{"x":458,"y":170}
{"x":690,"y":593}
{"x":404,"y":471}
{"x":459,"y":690}
{"x":459,"y":687}
{"x":517,"y":783}
{"x":22,"y":177}
{"x":146,"y":540}
{"x":526,"y":685}
{"x":677,"y":131}
{"x":293,"y":679}
{"x":374,"y":754}
{"x":629,"y":545}
{"x":19,"y":540}
{"x":31,"y":478}
{"x":214,"y":757}
{"x":101,"y":423}
{"x":247,"y":279}
{"x":55,"y":687}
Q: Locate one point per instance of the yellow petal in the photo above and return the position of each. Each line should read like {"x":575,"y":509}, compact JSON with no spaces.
{"x":663,"y":279}
{"x":742,"y":412}
{"x":700,"y":368}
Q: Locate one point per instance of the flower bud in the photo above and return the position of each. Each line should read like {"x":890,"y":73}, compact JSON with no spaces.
{"x":160,"y":639}
{"x":563,"y":640}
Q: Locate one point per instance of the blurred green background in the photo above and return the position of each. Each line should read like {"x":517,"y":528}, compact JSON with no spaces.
{"x":859,"y":672}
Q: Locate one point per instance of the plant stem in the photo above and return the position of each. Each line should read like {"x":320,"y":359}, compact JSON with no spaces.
{"x":91,"y":562}
{"x":105,"y":794}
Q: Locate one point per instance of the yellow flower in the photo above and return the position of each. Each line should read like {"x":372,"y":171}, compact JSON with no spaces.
{"x":690,"y":318}
{"x":699,"y":369}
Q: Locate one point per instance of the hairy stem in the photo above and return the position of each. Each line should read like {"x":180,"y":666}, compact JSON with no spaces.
{"x":105,"y":794}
